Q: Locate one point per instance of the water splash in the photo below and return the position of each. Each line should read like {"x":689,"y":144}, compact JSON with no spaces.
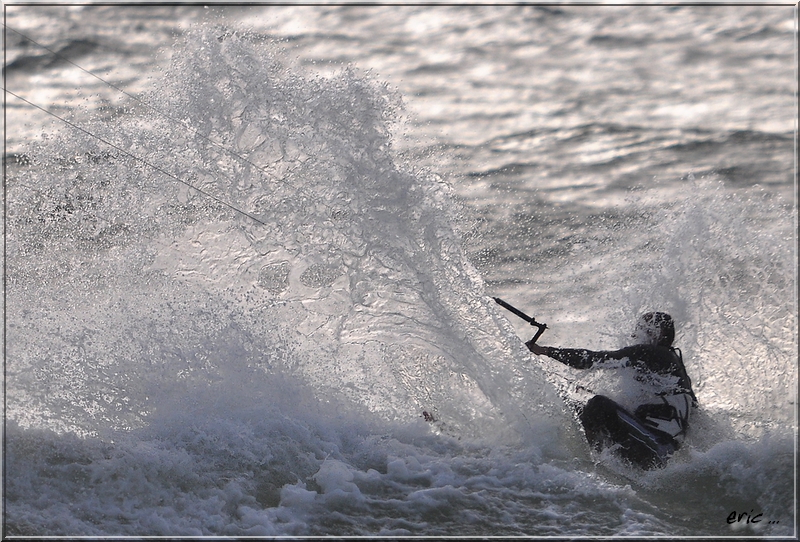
{"x":352,"y":279}
{"x":721,"y":261}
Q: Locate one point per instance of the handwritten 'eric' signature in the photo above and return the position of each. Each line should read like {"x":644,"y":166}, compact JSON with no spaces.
{"x":748,"y":518}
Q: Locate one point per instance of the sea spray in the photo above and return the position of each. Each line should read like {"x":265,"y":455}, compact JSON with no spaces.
{"x":719,"y":259}
{"x":721,"y":262}
{"x":351,"y":279}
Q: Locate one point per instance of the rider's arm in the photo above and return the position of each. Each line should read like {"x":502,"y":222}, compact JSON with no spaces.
{"x":579,"y":358}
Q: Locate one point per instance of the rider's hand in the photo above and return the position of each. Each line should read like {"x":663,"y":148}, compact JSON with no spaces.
{"x":535,"y":348}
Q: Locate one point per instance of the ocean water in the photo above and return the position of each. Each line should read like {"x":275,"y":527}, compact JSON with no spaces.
{"x":247,"y":247}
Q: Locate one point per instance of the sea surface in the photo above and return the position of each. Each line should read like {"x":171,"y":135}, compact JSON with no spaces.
{"x":246,"y":247}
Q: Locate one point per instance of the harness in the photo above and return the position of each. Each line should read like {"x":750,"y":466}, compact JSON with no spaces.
{"x":684,"y":377}
{"x":671,"y":416}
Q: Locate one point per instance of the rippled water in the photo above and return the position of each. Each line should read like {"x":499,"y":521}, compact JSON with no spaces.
{"x":233,"y":288}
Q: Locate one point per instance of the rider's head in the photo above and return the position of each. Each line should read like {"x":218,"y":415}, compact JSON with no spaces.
{"x":655,"y":328}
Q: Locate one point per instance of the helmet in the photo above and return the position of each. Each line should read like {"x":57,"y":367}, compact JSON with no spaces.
{"x":655,"y":328}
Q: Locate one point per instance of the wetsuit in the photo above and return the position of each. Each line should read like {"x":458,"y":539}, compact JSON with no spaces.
{"x":655,"y":430}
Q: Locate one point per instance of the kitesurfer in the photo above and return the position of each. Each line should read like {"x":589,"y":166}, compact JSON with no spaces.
{"x":655,"y":430}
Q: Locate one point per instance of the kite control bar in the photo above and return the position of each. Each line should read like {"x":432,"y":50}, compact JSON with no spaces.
{"x":532,"y":321}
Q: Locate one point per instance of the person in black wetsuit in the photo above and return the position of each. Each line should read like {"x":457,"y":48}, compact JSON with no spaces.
{"x":650,"y":435}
